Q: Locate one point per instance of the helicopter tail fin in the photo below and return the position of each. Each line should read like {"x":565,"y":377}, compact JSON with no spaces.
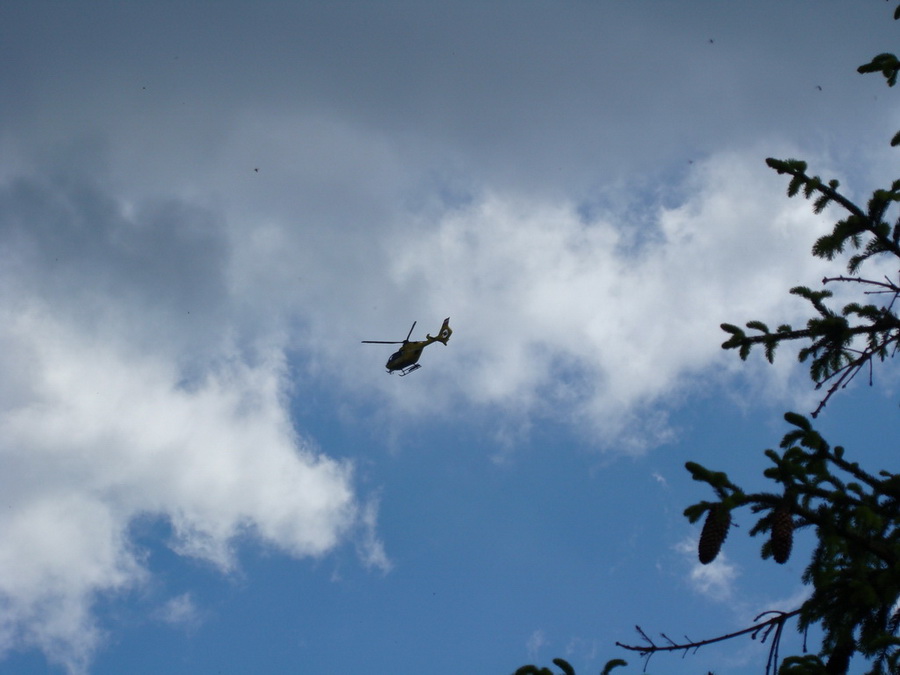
{"x":445,"y":332}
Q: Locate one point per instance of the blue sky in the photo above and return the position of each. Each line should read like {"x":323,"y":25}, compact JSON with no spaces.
{"x":205,"y":207}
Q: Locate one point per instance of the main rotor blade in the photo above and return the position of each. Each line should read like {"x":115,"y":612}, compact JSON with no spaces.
{"x":382,"y":342}
{"x":410,"y":332}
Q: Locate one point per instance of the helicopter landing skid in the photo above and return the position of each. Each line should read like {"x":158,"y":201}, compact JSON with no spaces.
{"x":403,"y":373}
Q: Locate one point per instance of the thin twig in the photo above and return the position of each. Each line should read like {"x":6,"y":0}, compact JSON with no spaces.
{"x":891,"y":286}
{"x":652,"y":647}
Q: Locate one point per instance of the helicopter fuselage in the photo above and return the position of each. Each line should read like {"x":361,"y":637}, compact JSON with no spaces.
{"x":408,"y":355}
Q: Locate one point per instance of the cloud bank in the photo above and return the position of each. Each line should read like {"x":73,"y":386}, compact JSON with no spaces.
{"x":559,"y":312}
{"x":102,"y":422}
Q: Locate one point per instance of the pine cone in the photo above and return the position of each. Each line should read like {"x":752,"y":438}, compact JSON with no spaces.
{"x":715,"y":529}
{"x":782,"y":534}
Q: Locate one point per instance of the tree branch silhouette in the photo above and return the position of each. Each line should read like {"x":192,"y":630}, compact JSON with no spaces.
{"x":763,"y":631}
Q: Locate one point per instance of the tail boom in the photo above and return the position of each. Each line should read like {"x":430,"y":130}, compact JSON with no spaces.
{"x":444,"y":334}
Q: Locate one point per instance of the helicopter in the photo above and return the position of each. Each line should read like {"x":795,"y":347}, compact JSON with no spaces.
{"x":406,"y":358}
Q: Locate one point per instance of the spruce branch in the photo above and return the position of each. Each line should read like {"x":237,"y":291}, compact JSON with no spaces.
{"x":831,"y":335}
{"x":859,"y":220}
{"x":762,"y":631}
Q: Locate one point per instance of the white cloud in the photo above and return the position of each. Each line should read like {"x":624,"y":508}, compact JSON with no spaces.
{"x":553,"y":313}
{"x":104,"y":434}
{"x":583,"y":648}
{"x":715,"y":580}
{"x":180,"y":610}
{"x":137,"y":384}
{"x":535,"y":643}
{"x":58,"y":552}
{"x":371,"y":548}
